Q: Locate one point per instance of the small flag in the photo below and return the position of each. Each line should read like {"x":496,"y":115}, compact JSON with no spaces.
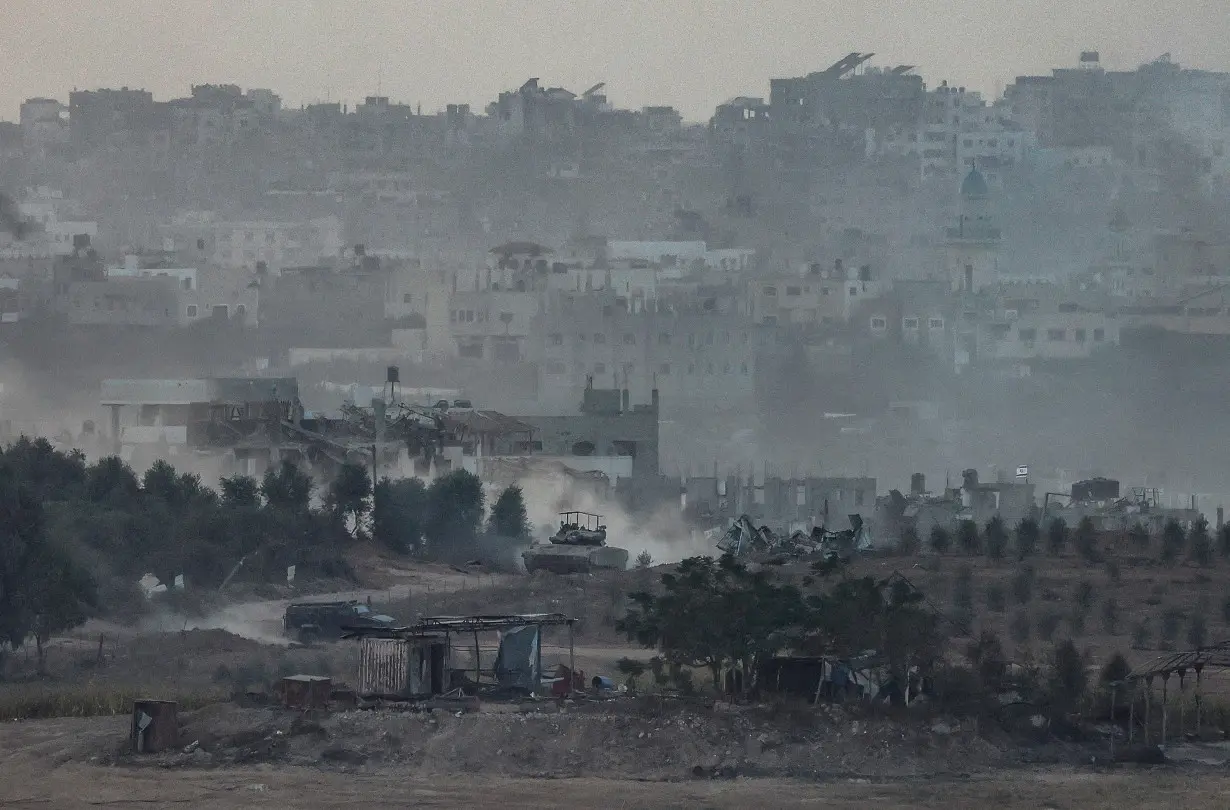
{"x":1022,"y":472}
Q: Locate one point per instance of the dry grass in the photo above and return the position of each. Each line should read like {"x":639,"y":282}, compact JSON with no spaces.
{"x":38,"y":701}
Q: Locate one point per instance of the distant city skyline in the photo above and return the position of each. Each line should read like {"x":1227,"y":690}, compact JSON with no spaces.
{"x":690,"y":55}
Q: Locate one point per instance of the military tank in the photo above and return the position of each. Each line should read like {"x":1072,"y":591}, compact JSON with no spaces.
{"x":578,"y":547}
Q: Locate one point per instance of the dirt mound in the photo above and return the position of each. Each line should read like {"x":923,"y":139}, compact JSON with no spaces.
{"x":619,"y":739}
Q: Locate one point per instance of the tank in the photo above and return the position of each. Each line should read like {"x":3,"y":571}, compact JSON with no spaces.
{"x":577,"y":547}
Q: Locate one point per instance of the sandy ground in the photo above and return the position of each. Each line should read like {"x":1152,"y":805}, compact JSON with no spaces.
{"x":79,"y":786}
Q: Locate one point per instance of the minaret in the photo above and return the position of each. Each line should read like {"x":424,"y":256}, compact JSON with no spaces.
{"x":973,"y":243}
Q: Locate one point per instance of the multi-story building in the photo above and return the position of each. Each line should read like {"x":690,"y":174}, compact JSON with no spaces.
{"x":274,"y":246}
{"x":814,"y":296}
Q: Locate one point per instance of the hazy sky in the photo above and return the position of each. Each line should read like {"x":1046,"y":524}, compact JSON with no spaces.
{"x":689,"y":53}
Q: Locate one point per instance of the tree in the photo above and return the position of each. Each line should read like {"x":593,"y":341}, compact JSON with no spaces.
{"x":997,"y":537}
{"x":1173,"y":541}
{"x":454,"y":510}
{"x":240,"y":492}
{"x":42,"y":591}
{"x":644,"y":560}
{"x":1023,"y":585}
{"x":986,"y":656}
{"x":910,"y":541}
{"x":1068,"y":679}
{"x":287,"y":487}
{"x":940,"y":540}
{"x":967,"y":537}
{"x":60,"y":596}
{"x":1200,"y":543}
{"x":1087,"y":540}
{"x":400,"y":514}
{"x":1139,"y":537}
{"x":1057,"y":537}
{"x":348,"y":495}
{"x":1027,"y":534}
{"x":111,"y":480}
{"x":1223,"y":541}
{"x":1116,"y":670}
{"x":713,"y":613}
{"x":509,"y":517}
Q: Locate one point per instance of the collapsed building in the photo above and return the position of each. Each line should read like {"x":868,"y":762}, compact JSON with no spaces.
{"x":1101,"y":501}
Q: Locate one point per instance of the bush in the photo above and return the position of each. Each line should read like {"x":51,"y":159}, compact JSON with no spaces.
{"x":1057,"y":536}
{"x":967,"y":537}
{"x":1139,"y":537}
{"x":1068,"y":680}
{"x":997,"y":538}
{"x":1023,"y":585}
{"x":1087,"y":541}
{"x":1019,"y":627}
{"x":1223,"y":541}
{"x":940,"y":540}
{"x":1027,"y":533}
{"x":986,"y":656}
{"x":1076,"y":621}
{"x":1173,"y":541}
{"x":1200,"y":543}
{"x":1116,"y":669}
{"x":1113,"y":573}
{"x":997,"y":600}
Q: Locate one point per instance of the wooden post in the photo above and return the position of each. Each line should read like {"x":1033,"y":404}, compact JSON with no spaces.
{"x":154,"y":726}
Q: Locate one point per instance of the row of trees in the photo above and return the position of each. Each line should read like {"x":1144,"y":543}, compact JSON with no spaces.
{"x":995,"y":541}
{"x":445,"y":519}
{"x":719,"y":614}
{"x":75,"y":537}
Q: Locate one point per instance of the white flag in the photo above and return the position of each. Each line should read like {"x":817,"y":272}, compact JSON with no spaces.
{"x":1022,"y":472}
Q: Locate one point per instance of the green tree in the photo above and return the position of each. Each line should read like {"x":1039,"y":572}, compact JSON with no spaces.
{"x":986,"y":656}
{"x":454,"y":511}
{"x":1223,"y":541}
{"x":112,"y":480}
{"x":1057,"y":537}
{"x":1087,"y":541}
{"x":509,"y":517}
{"x":240,"y":492}
{"x":1027,"y":535}
{"x":400,"y":514}
{"x":348,"y":495}
{"x":1139,"y":537}
{"x":1068,"y":680}
{"x":1023,"y":585}
{"x":1200,"y":543}
{"x":1110,"y":616}
{"x":1174,"y":538}
{"x":997,"y":537}
{"x":60,"y":596}
{"x":967,"y":537}
{"x":1197,"y":631}
{"x":288,"y":488}
{"x":963,"y":588}
{"x":996,"y":598}
{"x":940,"y":539}
{"x":644,"y":559}
{"x":1116,"y":669}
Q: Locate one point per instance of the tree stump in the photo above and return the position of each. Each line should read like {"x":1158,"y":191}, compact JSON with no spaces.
{"x":155,"y":726}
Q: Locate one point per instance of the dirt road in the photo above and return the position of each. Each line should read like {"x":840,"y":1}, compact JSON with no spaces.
{"x":82,"y":786}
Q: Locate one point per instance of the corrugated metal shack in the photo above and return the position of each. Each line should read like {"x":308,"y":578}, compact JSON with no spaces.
{"x":418,"y":661}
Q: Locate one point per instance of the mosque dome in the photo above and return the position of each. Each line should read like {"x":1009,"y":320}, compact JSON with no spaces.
{"x":974,"y":185}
